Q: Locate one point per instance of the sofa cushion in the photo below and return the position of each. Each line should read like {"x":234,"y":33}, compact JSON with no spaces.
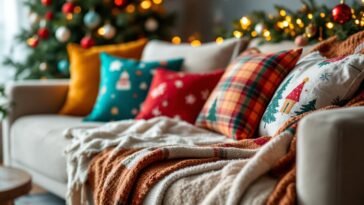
{"x":124,"y":86}
{"x":85,"y":73}
{"x":37,"y":142}
{"x":238,"y":101}
{"x":205,"y":58}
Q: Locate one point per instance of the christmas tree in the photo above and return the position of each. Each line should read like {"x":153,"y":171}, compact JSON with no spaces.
{"x":54,"y":24}
{"x":310,"y":106}
{"x":212,"y":112}
{"x":309,"y":24}
{"x":272,"y":109}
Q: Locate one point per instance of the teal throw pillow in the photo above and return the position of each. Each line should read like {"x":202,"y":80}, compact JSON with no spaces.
{"x":124,"y":86}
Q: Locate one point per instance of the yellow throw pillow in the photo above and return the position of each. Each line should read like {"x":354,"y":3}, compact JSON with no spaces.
{"x":85,"y":73}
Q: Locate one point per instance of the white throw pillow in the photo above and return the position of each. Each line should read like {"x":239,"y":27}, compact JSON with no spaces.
{"x":314,"y":83}
{"x":205,"y":58}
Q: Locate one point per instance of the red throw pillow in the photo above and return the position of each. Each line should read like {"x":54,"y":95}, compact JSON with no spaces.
{"x":178,"y":94}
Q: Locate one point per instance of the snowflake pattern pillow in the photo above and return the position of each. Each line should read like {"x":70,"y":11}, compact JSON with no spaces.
{"x":315,"y":82}
{"x":178,"y":95}
{"x":124,"y":86}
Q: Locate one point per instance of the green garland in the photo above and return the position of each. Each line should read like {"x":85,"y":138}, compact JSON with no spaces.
{"x":312,"y":21}
{"x":3,"y":105}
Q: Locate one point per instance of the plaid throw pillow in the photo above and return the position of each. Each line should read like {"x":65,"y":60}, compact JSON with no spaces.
{"x":237,"y":103}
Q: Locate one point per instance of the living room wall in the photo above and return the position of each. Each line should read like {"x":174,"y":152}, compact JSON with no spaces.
{"x":202,"y":16}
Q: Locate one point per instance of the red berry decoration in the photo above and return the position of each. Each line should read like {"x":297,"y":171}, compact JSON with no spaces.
{"x":87,"y":42}
{"x":43,"y":33}
{"x":49,"y":15}
{"x":68,"y":8}
{"x":46,"y":2}
{"x":341,"y":13}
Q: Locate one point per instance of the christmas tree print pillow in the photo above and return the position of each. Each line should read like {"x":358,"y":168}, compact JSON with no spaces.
{"x":124,"y":86}
{"x":178,"y":95}
{"x":315,"y":82}
{"x":236,"y":105}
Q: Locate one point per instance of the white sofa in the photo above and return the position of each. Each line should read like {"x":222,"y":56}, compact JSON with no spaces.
{"x":330,"y":162}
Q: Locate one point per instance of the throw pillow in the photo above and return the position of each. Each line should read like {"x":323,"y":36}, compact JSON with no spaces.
{"x":205,"y":58}
{"x":178,"y":95}
{"x":124,"y":86}
{"x":315,"y":82}
{"x":85,"y":73}
{"x":240,"y":98}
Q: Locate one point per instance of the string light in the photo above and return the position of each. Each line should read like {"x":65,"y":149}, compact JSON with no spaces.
{"x":329,"y":25}
{"x":310,"y":16}
{"x":219,"y":40}
{"x":69,"y":17}
{"x":146,"y":4}
{"x":176,"y":40}
{"x":130,"y":8}
{"x":196,"y":43}
{"x":323,"y":15}
{"x":77,"y":9}
{"x":157,"y":1}
{"x":101,"y":31}
{"x":282,"y":12}
{"x":254,"y":34}
{"x":237,"y":34}
{"x":245,"y":22}
{"x":266,"y":33}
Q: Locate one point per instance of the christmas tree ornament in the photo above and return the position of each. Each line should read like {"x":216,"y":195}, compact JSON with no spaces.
{"x":43,"y":66}
{"x":63,"y":67}
{"x":121,"y":3}
{"x":43,"y":33}
{"x":341,"y":13}
{"x":151,"y":25}
{"x":310,"y":30}
{"x":46,"y":2}
{"x":33,"y":42}
{"x":301,"y":40}
{"x":49,"y":15}
{"x":109,"y":31}
{"x":92,"y":19}
{"x":68,"y":8}
{"x":34,"y":18}
{"x":259,"y":28}
{"x":87,"y":42}
{"x":63,"y":34}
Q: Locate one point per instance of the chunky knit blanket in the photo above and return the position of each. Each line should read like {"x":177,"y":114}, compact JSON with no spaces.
{"x":167,"y":161}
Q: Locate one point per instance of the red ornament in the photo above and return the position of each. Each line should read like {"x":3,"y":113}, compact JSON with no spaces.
{"x":46,"y":2}
{"x":68,"y":8}
{"x":341,"y":13}
{"x":49,"y":15}
{"x":120,"y":2}
{"x":87,"y":42}
{"x":43,"y":33}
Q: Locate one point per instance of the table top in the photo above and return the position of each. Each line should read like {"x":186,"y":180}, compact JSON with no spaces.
{"x":13,"y":183}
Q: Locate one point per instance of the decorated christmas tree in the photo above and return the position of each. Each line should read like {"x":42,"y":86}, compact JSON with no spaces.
{"x":309,"y":24}
{"x":310,"y":106}
{"x":55,"y":23}
{"x":212,"y":112}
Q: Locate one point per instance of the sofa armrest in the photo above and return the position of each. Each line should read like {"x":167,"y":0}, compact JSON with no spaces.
{"x":28,"y":98}
{"x":330,"y":157}
{"x":35,"y":97}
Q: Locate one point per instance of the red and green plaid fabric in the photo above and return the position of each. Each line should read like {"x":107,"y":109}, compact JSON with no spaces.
{"x":238,"y":102}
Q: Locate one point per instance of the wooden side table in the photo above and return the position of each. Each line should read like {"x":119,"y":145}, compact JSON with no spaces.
{"x":13,"y":183}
